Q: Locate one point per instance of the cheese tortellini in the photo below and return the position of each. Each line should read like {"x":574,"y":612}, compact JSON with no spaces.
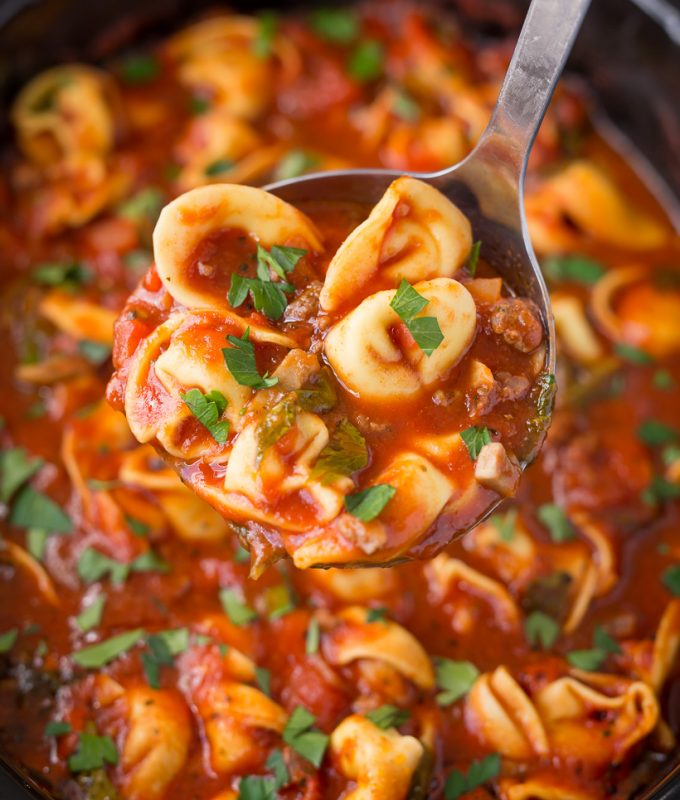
{"x":414,"y":232}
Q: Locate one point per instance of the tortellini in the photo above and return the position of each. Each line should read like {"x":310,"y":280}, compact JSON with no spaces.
{"x":187,"y":221}
{"x":414,"y":232}
{"x":363,"y":353}
{"x":66,"y":116}
{"x":380,"y":762}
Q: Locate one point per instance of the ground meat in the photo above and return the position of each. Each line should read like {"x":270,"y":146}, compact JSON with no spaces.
{"x":511,"y":387}
{"x":367,"y":425}
{"x":306,"y":304}
{"x":518,"y":321}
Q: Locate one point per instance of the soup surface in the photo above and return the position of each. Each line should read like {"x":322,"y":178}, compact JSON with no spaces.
{"x":534,"y":658}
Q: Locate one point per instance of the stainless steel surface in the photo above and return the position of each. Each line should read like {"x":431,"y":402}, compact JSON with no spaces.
{"x":488,"y":185}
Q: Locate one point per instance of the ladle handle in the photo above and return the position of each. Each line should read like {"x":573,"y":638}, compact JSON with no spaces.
{"x":543,"y":46}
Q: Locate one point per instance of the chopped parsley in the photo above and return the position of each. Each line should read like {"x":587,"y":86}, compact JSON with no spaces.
{"x":318,"y":395}
{"x":366,"y":62}
{"x":671,"y":579}
{"x":279,"y":601}
{"x":557,"y":523}
{"x":267,"y":27}
{"x":156,"y":656}
{"x":16,"y":467}
{"x":473,"y":258}
{"x":474,"y":439}
{"x":93,"y":753}
{"x":633,"y":354}
{"x":574,"y":268}
{"x":275,"y":424}
{"x":139,"y":69}
{"x":145,"y":206}
{"x":455,"y":679}
{"x":404,"y":106}
{"x":479,"y":772}
{"x":57,"y":728}
{"x":345,"y":453}
{"x":93,"y":566}
{"x":312,"y":637}
{"x":660,"y":490}
{"x":97,"y":655}
{"x":269,"y":297}
{"x":505,"y":524}
{"x":407,"y":302}
{"x":33,"y":509}
{"x":263,"y":678}
{"x":208,"y":408}
{"x":663,"y":380}
{"x":652,"y":432}
{"x":376,"y":614}
{"x":7,"y":640}
{"x":277,"y":766}
{"x":295,"y":163}
{"x":338,"y":25}
{"x":241,"y":555}
{"x":240,"y":361}
{"x":388,"y":716}
{"x":138,"y":527}
{"x":540,"y":628}
{"x":236,"y":608}
{"x":591,"y":660}
{"x":218,"y":166}
{"x":66,"y":275}
{"x":306,"y":740}
{"x":95,"y":352}
{"x":367,"y":504}
{"x":91,"y":615}
{"x":257,"y":787}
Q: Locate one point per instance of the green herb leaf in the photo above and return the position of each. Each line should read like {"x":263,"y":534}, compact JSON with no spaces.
{"x":574,"y":268}
{"x":660,"y":490}
{"x":138,"y":527}
{"x":671,"y":579}
{"x":405,"y":107}
{"x":16,"y":467}
{"x":425,"y":330}
{"x":139,"y":69}
{"x":479,"y":772}
{"x":474,"y":439}
{"x":263,"y":678}
{"x":218,"y":166}
{"x":312,"y":637}
{"x":376,"y":614}
{"x":345,"y":453}
{"x":93,"y":566}
{"x":95,"y":352}
{"x":539,"y":628}
{"x":149,"y":562}
{"x":557,"y":523}
{"x":279,"y":601}
{"x":280,"y":259}
{"x":295,"y":163}
{"x":505,"y":524}
{"x":158,"y":656}
{"x":97,"y":655}
{"x":455,"y":678}
{"x":303,"y":738}
{"x":67,"y":275}
{"x":407,"y":302}
{"x":238,"y":611}
{"x":93,"y":752}
{"x":208,"y":408}
{"x":91,"y":615}
{"x":257,"y":787}
{"x":473,"y":258}
{"x":145,"y":206}
{"x":366,"y":62}
{"x":241,"y":555}
{"x":588,"y":660}
{"x":653,"y":432}
{"x":36,"y":542}
{"x":267,"y":27}
{"x":318,"y":395}
{"x":57,"y":728}
{"x":198,"y":105}
{"x":7,"y":640}
{"x":275,"y":424}
{"x":240,"y":361}
{"x":603,"y":641}
{"x":338,"y":25}
{"x":388,"y":716}
{"x":633,"y":354}
{"x":663,"y":380}
{"x":32,"y":509}
{"x":367,"y":504}
{"x":276,"y":764}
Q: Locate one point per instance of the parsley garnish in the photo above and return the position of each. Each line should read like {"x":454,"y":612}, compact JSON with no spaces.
{"x":263,"y":678}
{"x":208,"y":408}
{"x":319,"y":394}
{"x":376,"y":614}
{"x":57,"y":728}
{"x":388,"y":716}
{"x":478,"y":773}
{"x":299,"y":734}
{"x":671,"y":579}
{"x":557,"y":522}
{"x":93,"y":752}
{"x":93,"y":566}
{"x":95,"y":352}
{"x":241,"y":555}
{"x":474,"y":439}
{"x":425,"y":330}
{"x":295,"y":163}
{"x":367,"y":504}
{"x":67,"y":275}
{"x":574,"y":268}
{"x":592,"y":660}
{"x":158,"y":655}
{"x":269,"y":297}
{"x":279,"y":601}
{"x":238,"y":611}
{"x":660,"y":490}
{"x":339,"y":25}
{"x":345,"y":453}
{"x":240,"y":361}
{"x":97,"y":655}
{"x":366,"y":61}
{"x":275,"y":424}
{"x":653,"y":432}
{"x":138,"y":527}
{"x":7,"y":640}
{"x":633,"y":354}
{"x":257,"y":787}
{"x":473,"y":258}
{"x":16,"y":467}
{"x":539,"y":628}
{"x":312,"y":637}
{"x":505,"y":524}
{"x":455,"y":678}
{"x":91,"y":615}
{"x":663,"y":380}
{"x":32,"y":509}
{"x":277,"y":766}
{"x":144,"y":206}
{"x":404,"y":106}
{"x":218,"y":166}
{"x":267,"y":26}
{"x":139,"y":69}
